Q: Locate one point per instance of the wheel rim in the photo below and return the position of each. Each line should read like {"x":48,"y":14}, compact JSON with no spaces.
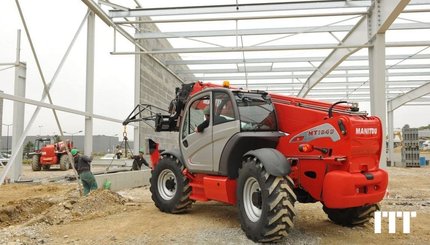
{"x":167,"y":184}
{"x":249,"y":189}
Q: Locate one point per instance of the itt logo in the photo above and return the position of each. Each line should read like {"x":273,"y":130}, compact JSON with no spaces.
{"x":392,"y":215}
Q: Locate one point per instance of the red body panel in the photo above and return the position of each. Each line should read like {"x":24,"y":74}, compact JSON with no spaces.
{"x":48,"y":155}
{"x":326,"y":177}
{"x":155,"y":156}
{"x":343,"y":189}
{"x":210,"y":187}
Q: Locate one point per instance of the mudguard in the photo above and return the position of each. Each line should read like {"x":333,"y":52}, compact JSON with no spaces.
{"x":273,"y":161}
{"x":174,"y":152}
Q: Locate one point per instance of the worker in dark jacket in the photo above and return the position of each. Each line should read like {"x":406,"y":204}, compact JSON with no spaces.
{"x":139,"y":161}
{"x":201,"y":127}
{"x":83,"y":167}
{"x":217,"y":120}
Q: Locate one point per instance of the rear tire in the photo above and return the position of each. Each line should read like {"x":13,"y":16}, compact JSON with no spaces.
{"x":35,"y":165}
{"x":64,"y":162}
{"x":265,"y":202}
{"x":351,"y":216}
{"x":170,"y":189}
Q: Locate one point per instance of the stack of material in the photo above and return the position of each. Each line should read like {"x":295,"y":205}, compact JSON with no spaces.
{"x":410,"y":149}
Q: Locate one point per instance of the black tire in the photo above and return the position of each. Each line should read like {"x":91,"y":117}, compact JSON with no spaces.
{"x":265,"y":202}
{"x":64,"y":162}
{"x":46,"y":167}
{"x":351,"y":216}
{"x":170,"y":189}
{"x":35,"y":165}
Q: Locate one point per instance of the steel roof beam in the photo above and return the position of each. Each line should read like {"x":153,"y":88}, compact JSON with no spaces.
{"x":269,"y":31}
{"x":409,"y":96}
{"x":244,"y":32}
{"x":242,"y":18}
{"x":254,"y":48}
{"x":361,"y":34}
{"x":328,"y":90}
{"x":268,"y":68}
{"x":286,"y":60}
{"x":294,"y":76}
{"x":238,"y":8}
{"x":329,"y":84}
{"x":345,"y":47}
{"x":259,"y":17}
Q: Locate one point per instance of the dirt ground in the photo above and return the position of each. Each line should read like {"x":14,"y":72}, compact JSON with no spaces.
{"x":54,"y":213}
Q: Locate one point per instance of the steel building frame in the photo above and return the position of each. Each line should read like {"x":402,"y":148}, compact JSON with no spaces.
{"x":385,"y":79}
{"x":324,"y":59}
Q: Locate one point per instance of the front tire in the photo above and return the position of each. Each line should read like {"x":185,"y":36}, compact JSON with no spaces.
{"x":64,"y":162}
{"x":351,"y":216}
{"x":266,"y":202}
{"x":170,"y":189}
{"x":35,"y":165}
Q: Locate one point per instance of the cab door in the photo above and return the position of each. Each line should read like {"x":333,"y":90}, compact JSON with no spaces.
{"x":225,"y":123}
{"x":196,"y":147}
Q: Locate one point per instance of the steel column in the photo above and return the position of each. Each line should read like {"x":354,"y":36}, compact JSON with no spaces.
{"x":89,"y":92}
{"x":391,"y":137}
{"x":137,"y":139}
{"x":378,"y":103}
{"x":18,"y":121}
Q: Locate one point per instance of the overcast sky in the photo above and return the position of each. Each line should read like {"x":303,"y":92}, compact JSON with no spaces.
{"x":52,"y":28}
{"x":52,"y":25}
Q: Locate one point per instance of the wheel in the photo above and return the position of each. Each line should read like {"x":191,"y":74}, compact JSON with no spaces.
{"x":35,"y":163}
{"x":64,"y":162}
{"x":170,"y":189}
{"x":351,"y":216}
{"x":46,"y":167}
{"x":265,"y":202}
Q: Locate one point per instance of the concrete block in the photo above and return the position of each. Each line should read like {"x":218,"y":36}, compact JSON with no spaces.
{"x":125,"y":180}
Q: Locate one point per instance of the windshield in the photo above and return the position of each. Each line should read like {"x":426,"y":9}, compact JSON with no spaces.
{"x":256,"y":112}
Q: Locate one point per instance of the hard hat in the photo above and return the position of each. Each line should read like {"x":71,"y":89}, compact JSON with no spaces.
{"x":74,"y":151}
{"x":207,"y":110}
{"x":141,"y":150}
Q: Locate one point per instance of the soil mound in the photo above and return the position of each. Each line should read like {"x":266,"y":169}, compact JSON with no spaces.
{"x":60,"y":210}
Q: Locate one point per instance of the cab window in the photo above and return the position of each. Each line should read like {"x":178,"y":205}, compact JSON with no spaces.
{"x":223,"y":108}
{"x":195,"y":115}
{"x":256,"y":112}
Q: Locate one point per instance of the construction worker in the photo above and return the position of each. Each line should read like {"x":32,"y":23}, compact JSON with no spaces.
{"x":83,"y":167}
{"x":201,"y":127}
{"x":217,"y":119}
{"x":118,"y":152}
{"x":138,"y":161}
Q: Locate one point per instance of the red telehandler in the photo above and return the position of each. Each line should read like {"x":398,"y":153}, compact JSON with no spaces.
{"x":265,"y":152}
{"x":47,"y":154}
